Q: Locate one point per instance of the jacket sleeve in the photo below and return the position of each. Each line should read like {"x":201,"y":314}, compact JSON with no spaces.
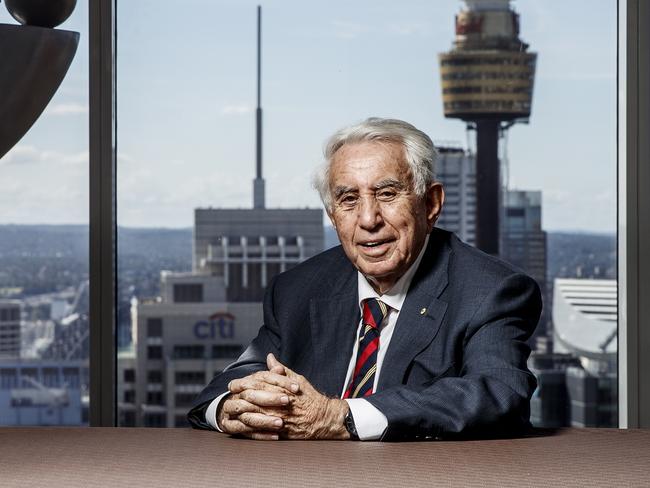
{"x":491,"y":393}
{"x":253,"y":359}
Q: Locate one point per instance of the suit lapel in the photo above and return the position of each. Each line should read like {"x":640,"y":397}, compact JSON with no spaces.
{"x":421,"y":314}
{"x":334,"y":321}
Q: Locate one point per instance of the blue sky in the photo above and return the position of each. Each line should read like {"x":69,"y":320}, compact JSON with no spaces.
{"x":186,"y":97}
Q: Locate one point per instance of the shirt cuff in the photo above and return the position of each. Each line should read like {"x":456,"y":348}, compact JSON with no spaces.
{"x":211,"y":411}
{"x":368,"y":420}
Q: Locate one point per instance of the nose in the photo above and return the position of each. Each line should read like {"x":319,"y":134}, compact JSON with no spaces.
{"x":369,"y":213}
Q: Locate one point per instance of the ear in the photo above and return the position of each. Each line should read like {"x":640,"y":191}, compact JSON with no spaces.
{"x":435,"y":198}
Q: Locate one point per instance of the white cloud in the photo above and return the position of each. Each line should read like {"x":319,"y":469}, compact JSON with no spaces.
{"x":21,"y":155}
{"x":236,"y":109}
{"x":25,"y":154}
{"x":67,"y":109}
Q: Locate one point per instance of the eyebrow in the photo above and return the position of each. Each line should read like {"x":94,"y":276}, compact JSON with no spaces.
{"x":388,"y":183}
{"x":341,"y":190}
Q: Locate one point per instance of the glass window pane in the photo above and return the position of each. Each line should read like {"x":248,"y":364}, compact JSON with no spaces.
{"x":195,"y":256}
{"x":44,"y":253}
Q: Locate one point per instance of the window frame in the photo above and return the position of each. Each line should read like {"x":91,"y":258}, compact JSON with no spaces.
{"x":633,"y":174}
{"x":633,"y":170}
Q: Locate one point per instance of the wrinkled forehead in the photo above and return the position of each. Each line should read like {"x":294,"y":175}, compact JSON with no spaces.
{"x":369,"y":161}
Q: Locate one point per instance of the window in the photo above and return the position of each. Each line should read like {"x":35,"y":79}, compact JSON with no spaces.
{"x":155,"y":398}
{"x":154,"y":376}
{"x":154,"y":352}
{"x":188,"y":293}
{"x":154,"y":328}
{"x":129,"y":376}
{"x":127,"y":419}
{"x":189,"y":352}
{"x":129,"y":396}
{"x":154,"y":420}
{"x":548,"y":224}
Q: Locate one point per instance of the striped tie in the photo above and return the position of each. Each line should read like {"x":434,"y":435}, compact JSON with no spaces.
{"x":363,"y":377}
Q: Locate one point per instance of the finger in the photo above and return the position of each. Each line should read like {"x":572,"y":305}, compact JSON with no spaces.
{"x":237,"y":406}
{"x":237,"y":427}
{"x":261,"y":422}
{"x":264,"y":436}
{"x":273,"y":364}
{"x":264,"y":380}
{"x":265,"y":398}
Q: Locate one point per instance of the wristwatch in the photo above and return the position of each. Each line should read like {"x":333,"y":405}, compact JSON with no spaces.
{"x":350,"y":427}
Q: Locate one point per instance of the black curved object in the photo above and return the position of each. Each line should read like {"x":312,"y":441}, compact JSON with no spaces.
{"x":41,"y":13}
{"x":34,"y":61}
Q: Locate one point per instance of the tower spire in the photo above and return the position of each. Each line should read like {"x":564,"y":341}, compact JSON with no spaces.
{"x":258,"y":182}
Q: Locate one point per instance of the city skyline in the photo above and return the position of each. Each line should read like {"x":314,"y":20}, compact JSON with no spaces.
{"x":195,"y":123}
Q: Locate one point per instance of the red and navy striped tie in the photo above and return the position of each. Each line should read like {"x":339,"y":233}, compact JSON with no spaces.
{"x":363,"y":377}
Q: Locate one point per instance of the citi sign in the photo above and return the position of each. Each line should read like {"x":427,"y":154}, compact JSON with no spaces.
{"x":219,"y":325}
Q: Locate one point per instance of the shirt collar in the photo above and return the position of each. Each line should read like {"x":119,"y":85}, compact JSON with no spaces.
{"x":394,"y":297}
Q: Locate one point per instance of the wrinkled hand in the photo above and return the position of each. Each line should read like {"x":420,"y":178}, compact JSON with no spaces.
{"x":257,"y":404}
{"x":310,"y":414}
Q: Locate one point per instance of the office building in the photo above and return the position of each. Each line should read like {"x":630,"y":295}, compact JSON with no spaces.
{"x":203,"y":320}
{"x":456,"y":169}
{"x":10,"y":329}
{"x":247,"y":247}
{"x":523,"y":242}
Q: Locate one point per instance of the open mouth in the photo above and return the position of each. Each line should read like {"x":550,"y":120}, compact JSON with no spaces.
{"x":374,"y":244}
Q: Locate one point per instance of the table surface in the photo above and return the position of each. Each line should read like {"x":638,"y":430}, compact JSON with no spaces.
{"x":74,"y":457}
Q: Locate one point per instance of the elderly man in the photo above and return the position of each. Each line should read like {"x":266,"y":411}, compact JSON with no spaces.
{"x":402,"y":332}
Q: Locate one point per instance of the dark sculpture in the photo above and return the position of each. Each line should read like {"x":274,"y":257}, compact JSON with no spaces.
{"x":41,"y":13}
{"x":34,"y":63}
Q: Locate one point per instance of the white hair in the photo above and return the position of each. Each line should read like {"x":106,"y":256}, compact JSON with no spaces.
{"x":419,"y":152}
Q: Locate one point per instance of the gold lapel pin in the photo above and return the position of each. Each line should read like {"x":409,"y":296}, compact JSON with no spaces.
{"x":423,"y":311}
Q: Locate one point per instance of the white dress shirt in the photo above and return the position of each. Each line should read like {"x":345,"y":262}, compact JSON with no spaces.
{"x":369,"y":421}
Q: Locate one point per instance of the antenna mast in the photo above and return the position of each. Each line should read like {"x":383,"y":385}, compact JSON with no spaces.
{"x":258,"y":183}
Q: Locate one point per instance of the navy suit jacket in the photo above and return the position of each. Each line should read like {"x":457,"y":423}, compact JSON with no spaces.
{"x":456,"y":363}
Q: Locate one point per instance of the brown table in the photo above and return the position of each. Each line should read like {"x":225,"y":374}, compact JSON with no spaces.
{"x":72,"y":457}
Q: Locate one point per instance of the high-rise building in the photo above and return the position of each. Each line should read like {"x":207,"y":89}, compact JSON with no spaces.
{"x":523,"y":242}
{"x":456,"y":169}
{"x":10,"y":329}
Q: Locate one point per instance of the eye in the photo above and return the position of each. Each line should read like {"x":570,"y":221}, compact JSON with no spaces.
{"x":348,"y":200}
{"x":386,"y":194}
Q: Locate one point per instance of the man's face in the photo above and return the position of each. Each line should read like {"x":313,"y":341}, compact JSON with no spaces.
{"x":380,"y":221}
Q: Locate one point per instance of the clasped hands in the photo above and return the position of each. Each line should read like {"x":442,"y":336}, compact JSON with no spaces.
{"x":279,"y":403}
